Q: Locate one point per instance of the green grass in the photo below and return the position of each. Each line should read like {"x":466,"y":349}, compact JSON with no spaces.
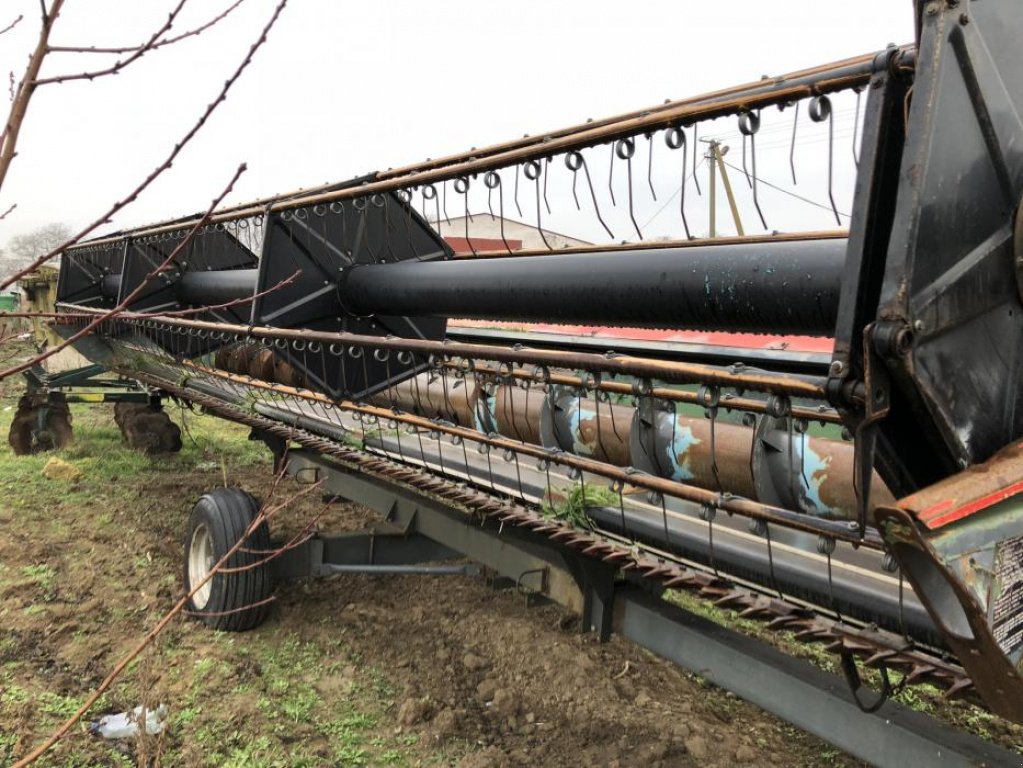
{"x":110,"y":469}
{"x":107,"y":511}
{"x":293,"y":723}
{"x":571,"y":508}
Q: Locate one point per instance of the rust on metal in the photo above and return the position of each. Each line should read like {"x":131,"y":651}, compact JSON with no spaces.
{"x":528,"y":141}
{"x":823,"y":414}
{"x":588,"y":427}
{"x":827,"y":470}
{"x":625,"y":365}
{"x":518,"y":411}
{"x":738,"y":377}
{"x":435,"y":397}
{"x":971,"y":491}
{"x":976,"y":612}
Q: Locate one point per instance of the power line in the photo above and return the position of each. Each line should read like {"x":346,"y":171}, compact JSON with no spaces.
{"x":787,"y":192}
{"x":676,"y":193}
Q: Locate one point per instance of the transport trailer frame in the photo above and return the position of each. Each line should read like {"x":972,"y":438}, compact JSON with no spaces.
{"x":416,"y":529}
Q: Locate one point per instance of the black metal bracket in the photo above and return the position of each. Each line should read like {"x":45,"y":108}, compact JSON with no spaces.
{"x":596,"y":581}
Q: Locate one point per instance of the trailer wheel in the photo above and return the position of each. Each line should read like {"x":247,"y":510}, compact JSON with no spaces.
{"x":233,"y":602}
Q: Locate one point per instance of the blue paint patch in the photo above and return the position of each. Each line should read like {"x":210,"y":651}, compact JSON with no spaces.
{"x":815,"y":469}
{"x":576,"y":416}
{"x":486,"y":407}
{"x":683,"y":441}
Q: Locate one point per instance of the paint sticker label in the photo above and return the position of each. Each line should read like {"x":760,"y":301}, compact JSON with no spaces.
{"x":1007,"y":612}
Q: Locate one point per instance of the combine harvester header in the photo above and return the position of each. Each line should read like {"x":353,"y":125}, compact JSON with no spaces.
{"x":799,"y":488}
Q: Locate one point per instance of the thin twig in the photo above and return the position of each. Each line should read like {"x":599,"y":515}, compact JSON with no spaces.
{"x":153,"y":175}
{"x":300,"y":538}
{"x":152,"y":47}
{"x":120,"y":64}
{"x":12,"y":25}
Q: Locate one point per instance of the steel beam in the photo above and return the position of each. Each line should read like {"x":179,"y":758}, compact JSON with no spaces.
{"x":529,"y":563}
{"x":797,"y":691}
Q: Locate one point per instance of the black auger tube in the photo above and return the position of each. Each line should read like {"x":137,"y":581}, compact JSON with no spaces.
{"x":786,"y":287}
{"x":789,"y":287}
{"x":201,"y":288}
{"x":198,"y":288}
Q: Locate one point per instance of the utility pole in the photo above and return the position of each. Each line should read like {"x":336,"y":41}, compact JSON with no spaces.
{"x":715,"y":154}
{"x":712,"y":155}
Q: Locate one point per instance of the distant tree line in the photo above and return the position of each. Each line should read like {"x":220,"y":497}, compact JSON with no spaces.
{"x":25,"y":248}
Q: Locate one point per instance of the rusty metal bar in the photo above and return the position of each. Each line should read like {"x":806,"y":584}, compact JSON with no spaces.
{"x":675,"y":372}
{"x":578,"y":140}
{"x":822,"y":414}
{"x":862,"y":66}
{"x":848,"y":73}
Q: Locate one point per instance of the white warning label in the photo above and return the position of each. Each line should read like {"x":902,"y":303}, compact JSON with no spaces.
{"x":1007,"y":613}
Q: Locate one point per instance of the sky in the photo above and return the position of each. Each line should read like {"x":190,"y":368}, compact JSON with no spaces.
{"x":342,"y":89}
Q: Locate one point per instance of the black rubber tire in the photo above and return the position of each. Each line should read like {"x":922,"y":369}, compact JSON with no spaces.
{"x":226,"y":514}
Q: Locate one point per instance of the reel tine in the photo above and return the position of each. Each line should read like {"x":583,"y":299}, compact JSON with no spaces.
{"x":650,"y":165}
{"x":696,"y":143}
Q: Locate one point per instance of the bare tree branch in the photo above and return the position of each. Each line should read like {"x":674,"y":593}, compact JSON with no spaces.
{"x":171,"y":157}
{"x":164,"y":265}
{"x":12,"y":25}
{"x":120,"y":64}
{"x":300,"y":538}
{"x":27,"y":87}
{"x":152,"y":46}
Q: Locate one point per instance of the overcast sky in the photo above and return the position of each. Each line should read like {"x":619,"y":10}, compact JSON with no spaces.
{"x":345,"y":88}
